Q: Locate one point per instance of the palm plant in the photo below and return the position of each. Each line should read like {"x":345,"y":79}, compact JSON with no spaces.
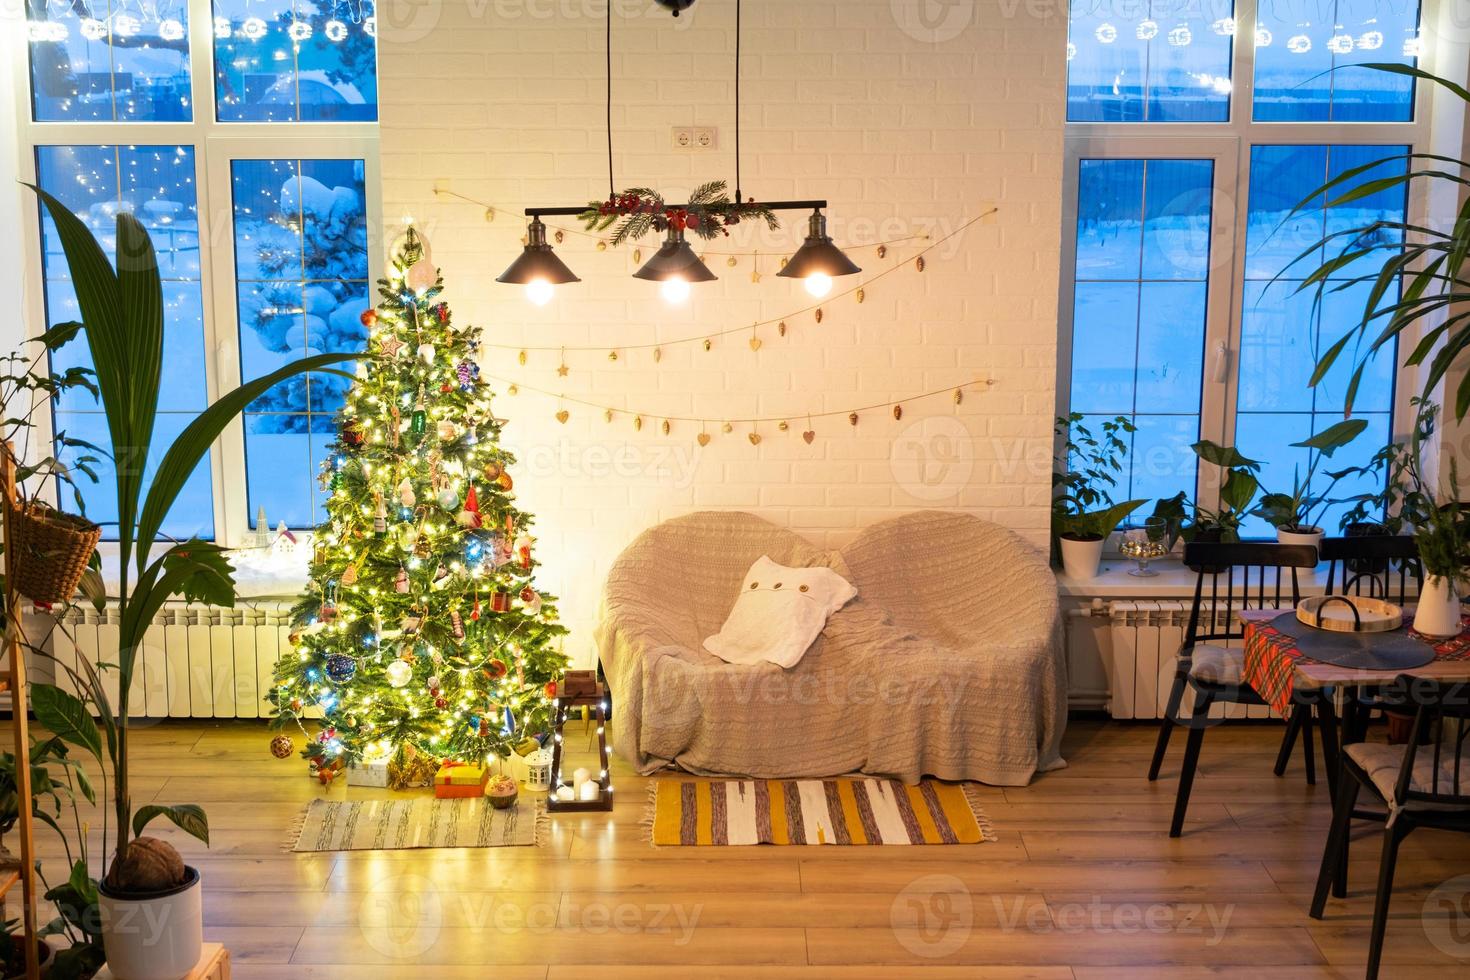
{"x":122,"y":323}
{"x":1429,"y":262}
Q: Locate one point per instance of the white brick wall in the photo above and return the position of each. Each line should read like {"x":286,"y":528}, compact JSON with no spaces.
{"x":902,"y":133}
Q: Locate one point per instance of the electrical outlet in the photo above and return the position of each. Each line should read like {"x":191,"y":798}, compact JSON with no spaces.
{"x":693,"y":138}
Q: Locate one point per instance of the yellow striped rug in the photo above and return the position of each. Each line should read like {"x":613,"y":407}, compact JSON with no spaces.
{"x":813,"y":811}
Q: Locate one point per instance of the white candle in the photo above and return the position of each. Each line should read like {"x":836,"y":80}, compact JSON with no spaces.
{"x":589,"y":792}
{"x":566,"y":794}
{"x":579,"y":778}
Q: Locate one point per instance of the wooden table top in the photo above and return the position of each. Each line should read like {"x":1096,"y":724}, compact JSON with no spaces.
{"x":1315,"y":674}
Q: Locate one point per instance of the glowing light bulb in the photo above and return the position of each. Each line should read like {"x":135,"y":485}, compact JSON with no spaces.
{"x":539,"y":291}
{"x":675,"y":290}
{"x":818,"y":284}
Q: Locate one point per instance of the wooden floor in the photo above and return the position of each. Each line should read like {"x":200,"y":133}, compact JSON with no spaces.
{"x":1084,"y":882}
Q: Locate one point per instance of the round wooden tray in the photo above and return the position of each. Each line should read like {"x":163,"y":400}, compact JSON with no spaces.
{"x":1350,"y":614}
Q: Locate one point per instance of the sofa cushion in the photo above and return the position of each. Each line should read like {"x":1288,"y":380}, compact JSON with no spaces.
{"x":778,"y":613}
{"x":1383,"y":763}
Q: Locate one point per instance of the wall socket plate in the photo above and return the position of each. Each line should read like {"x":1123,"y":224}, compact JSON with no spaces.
{"x":696,"y":138}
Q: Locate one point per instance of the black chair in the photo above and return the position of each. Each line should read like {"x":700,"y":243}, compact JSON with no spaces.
{"x":1213,"y":672}
{"x":1425,"y":783}
{"x":1380,"y":566}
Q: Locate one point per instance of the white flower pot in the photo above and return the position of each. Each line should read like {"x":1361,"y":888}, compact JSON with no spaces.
{"x":155,"y":938}
{"x":1081,"y":558}
{"x":1312,"y":537}
{"x":1438,"y":613}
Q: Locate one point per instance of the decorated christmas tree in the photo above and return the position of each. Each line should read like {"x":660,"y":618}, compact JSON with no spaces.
{"x":420,"y":635}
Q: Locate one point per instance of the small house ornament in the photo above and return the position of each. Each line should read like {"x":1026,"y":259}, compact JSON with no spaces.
{"x":284,"y":545}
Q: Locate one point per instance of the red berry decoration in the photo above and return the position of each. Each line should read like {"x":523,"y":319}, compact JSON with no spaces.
{"x":495,"y":670}
{"x":551,"y":689}
{"x":441,"y":703}
{"x":369,"y":317}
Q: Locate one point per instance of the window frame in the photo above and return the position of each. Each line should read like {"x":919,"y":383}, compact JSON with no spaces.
{"x":1229,"y":144}
{"x":215,"y":145}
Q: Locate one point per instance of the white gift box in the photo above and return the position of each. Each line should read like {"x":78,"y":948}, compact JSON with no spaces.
{"x":368,"y":774}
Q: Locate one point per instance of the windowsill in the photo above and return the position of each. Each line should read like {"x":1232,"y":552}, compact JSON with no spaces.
{"x":259,"y":572}
{"x":1114,"y":582}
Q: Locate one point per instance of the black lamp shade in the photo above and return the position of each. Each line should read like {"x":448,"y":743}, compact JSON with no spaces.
{"x":537,"y":261}
{"x":818,"y":255}
{"x":675,"y":260}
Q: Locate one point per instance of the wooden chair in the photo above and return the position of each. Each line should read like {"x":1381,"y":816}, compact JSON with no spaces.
{"x":1424,"y":783}
{"x":1378,"y":565}
{"x":1214,"y":672}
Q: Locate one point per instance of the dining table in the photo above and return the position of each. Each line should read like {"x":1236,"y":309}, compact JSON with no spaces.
{"x":1284,"y":676}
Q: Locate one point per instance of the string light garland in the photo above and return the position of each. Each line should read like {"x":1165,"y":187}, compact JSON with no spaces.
{"x":916,"y":262}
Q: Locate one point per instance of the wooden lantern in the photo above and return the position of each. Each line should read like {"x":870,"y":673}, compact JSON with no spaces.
{"x":596,"y":699}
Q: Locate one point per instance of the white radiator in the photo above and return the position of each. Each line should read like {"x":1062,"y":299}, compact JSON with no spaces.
{"x":196,"y":662}
{"x":1138,"y":644}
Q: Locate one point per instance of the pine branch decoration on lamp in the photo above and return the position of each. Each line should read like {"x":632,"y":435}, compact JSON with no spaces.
{"x":396,"y":650}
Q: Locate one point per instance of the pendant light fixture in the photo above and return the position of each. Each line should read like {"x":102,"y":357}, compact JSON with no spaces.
{"x":818,"y":261}
{"x":538,"y":268}
{"x":676,"y":265}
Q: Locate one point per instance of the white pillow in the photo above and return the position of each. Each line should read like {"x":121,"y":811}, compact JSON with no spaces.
{"x":778,"y":613}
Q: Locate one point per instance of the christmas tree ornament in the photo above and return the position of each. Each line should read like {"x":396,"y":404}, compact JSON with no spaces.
{"x":368,"y":318}
{"x":897,"y":412}
{"x":708,"y":343}
{"x":468,"y":373}
{"x":340,"y":668}
{"x":441,"y":703}
{"x":395,"y":426}
{"x":434,"y":684}
{"x":523,"y":548}
{"x":530,"y":601}
{"x":421,"y":547}
{"x":400,"y":581}
{"x":448,"y":499}
{"x":612,"y":355}
{"x":500,"y":601}
{"x":426,"y":353}
{"x":441,"y":574}
{"x":409,"y":625}
{"x":349,"y":575}
{"x":389,"y":346}
{"x":495,"y":670}
{"x":755,"y":438}
{"x":882,"y":251}
{"x":470,"y":516}
{"x":456,"y":624}
{"x":380,"y":517}
{"x":282,"y":746}
{"x":445,"y":430}
{"x":471,"y":436}
{"x":406,"y":496}
{"x":505,"y":482}
{"x":419,"y":421}
{"x":422,"y":276}
{"x":442,"y":312}
{"x":483,"y":729}
{"x":351,"y":433}
{"x":493,"y":471}
{"x":475,"y":612}
{"x":727,"y":428}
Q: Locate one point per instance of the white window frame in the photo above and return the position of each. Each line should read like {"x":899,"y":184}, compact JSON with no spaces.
{"x":215,"y":144}
{"x":1229,"y":145}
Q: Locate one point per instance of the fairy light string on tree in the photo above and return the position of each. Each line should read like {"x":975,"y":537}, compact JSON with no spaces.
{"x":420,"y":628}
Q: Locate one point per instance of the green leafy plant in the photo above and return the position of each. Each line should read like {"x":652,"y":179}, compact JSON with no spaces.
{"x":1423,"y":267}
{"x":1191,"y":521}
{"x":122,"y":324}
{"x":1397,"y":503}
{"x":1301,"y":509}
{"x":1085,"y":470}
{"x":25,"y":389}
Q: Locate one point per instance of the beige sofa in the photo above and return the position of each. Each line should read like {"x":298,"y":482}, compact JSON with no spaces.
{"x":949,"y":663}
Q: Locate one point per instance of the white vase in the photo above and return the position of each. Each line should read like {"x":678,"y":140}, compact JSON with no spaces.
{"x":1312,"y":537}
{"x":155,"y":938}
{"x":1438,"y":613}
{"x":1080,"y":559}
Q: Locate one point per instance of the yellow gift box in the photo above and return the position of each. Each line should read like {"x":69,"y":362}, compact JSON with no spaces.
{"x":456,"y":779}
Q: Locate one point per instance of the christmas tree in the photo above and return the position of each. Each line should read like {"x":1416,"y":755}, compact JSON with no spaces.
{"x":420,"y":632}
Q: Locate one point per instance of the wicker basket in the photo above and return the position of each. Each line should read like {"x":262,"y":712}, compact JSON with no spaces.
{"x":49,"y":553}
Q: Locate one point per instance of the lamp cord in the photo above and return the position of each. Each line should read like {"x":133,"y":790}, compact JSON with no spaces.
{"x":738,"y":198}
{"x":611,"y":185}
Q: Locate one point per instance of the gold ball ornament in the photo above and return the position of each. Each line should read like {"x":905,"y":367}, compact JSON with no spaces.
{"x":282,"y":746}
{"x":612,"y":355}
{"x":521,"y":357}
{"x":783,"y":426}
{"x":882,"y":251}
{"x":601,"y":245}
{"x":708,"y":343}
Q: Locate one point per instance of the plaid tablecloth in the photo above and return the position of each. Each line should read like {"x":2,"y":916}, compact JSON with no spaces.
{"x":1271,"y":657}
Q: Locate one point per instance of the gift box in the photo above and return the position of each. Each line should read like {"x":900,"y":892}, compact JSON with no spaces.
{"x":460,"y":780}
{"x":368,"y":773}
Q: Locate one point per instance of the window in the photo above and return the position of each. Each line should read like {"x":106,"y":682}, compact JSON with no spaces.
{"x":302,"y":283}
{"x":1181,"y":307}
{"x":1170,"y":63}
{"x":155,"y":183}
{"x":263,"y":251}
{"x":1300,"y":43}
{"x":109,"y":61}
{"x":1138,"y":326}
{"x":302,"y":60}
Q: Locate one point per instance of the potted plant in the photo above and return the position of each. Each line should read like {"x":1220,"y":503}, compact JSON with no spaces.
{"x":122,"y":323}
{"x":1441,"y":535}
{"x":1195,"y":522}
{"x":1083,"y":513}
{"x":13,"y":954}
{"x":1295,"y":515}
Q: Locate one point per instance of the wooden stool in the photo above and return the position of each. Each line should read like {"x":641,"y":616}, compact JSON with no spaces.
{"x":214,"y":964}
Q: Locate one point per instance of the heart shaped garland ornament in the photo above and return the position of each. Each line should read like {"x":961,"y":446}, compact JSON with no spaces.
{"x":562,"y":416}
{"x":808,"y":436}
{"x":755,"y":438}
{"x":755,"y":343}
{"x":703,"y":438}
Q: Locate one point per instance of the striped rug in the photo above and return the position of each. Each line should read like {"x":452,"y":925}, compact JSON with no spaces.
{"x":393,"y":825}
{"x":813,"y":811}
